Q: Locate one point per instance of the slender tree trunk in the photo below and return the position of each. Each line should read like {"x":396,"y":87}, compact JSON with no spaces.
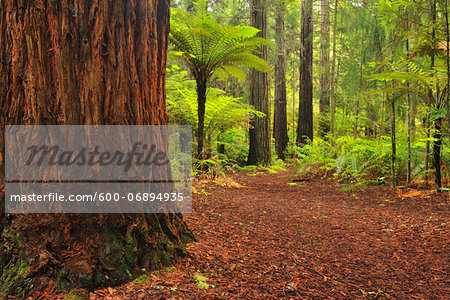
{"x":393,"y":127}
{"x":430,"y":92}
{"x":280,"y":133}
{"x":294,"y":91}
{"x":355,"y":129}
{"x":427,"y":146}
{"x":324,"y":101}
{"x":357,"y":102}
{"x":412,"y":120}
{"x":408,"y":123}
{"x":83,"y":62}
{"x":447,"y":60}
{"x":305,"y":115}
{"x":333,"y":71}
{"x":221,"y":148}
{"x":259,"y":133}
{"x":201,"y":107}
{"x":269,"y":99}
{"x":437,"y":153}
{"x":382,"y":129}
{"x":437,"y":123}
{"x":394,"y":146}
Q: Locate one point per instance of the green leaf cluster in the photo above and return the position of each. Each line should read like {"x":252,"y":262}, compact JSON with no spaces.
{"x":209,"y":48}
{"x":226,"y":117}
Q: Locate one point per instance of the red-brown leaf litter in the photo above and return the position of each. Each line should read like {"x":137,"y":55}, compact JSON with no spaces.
{"x":266,"y":238}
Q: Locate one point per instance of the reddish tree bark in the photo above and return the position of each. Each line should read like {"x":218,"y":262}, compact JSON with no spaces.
{"x":259,"y":133}
{"x":83,"y":62}
{"x":324,"y":101}
{"x":305,"y":112}
{"x":280,"y":133}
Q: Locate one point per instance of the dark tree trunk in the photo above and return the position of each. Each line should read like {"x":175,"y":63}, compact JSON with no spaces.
{"x":394,"y":146}
{"x":437,"y":153}
{"x":201,"y":102}
{"x":427,"y":146}
{"x":324,"y":102}
{"x":408,"y":119}
{"x":294,"y":91}
{"x":280,"y":133}
{"x":333,"y":72}
{"x":305,"y":111}
{"x":438,"y":105}
{"x":83,"y":62}
{"x":447,"y":61}
{"x":259,"y":133}
{"x":221,"y":148}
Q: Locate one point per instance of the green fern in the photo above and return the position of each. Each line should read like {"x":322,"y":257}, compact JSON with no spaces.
{"x":226,"y":117}
{"x":208,"y":48}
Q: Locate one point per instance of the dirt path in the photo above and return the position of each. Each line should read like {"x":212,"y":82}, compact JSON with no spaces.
{"x":308,"y":241}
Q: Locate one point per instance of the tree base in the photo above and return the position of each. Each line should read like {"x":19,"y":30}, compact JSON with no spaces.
{"x":49,"y":253}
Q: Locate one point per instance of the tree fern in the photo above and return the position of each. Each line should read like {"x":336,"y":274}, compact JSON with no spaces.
{"x":223,"y":115}
{"x":208,"y":48}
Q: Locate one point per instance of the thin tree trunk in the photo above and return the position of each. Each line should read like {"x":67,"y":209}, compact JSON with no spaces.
{"x":333,"y":71}
{"x":427,"y":147}
{"x":280,"y":133}
{"x":259,"y":133}
{"x":324,"y":101}
{"x":382,"y":131}
{"x":356,"y":116}
{"x":305,"y":115}
{"x":201,"y":109}
{"x":394,"y":146}
{"x":83,"y":62}
{"x":437,"y":153}
{"x":294,"y":91}
{"x":357,"y":99}
{"x":408,"y":123}
{"x":412,"y":120}
{"x":437,"y":123}
{"x":447,"y":60}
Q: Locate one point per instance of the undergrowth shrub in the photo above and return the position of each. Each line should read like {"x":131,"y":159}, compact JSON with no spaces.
{"x":356,"y":159}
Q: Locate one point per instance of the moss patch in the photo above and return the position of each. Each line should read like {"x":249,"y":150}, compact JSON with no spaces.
{"x":77,"y":294}
{"x":141,"y":280}
{"x":14,"y":266}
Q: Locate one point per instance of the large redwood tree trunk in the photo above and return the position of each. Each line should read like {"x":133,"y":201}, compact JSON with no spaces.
{"x":259,"y":133}
{"x":324,"y":101}
{"x":83,"y":62}
{"x":280,"y":133}
{"x":305,"y":111}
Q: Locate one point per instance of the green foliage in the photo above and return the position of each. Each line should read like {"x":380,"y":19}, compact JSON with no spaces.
{"x":141,"y":280}
{"x":423,"y":86}
{"x":226,"y":117}
{"x":359,"y":160}
{"x":76,"y":294}
{"x":208,"y":47}
{"x":201,"y":281}
{"x":372,"y":69}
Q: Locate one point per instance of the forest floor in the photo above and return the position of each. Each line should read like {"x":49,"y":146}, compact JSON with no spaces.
{"x":265,"y":238}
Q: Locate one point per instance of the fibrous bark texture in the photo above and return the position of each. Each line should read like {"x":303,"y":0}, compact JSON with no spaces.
{"x":324,"y":103}
{"x":279,"y":115}
{"x":83,"y":62}
{"x":259,"y":151}
{"x":305,"y":122}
